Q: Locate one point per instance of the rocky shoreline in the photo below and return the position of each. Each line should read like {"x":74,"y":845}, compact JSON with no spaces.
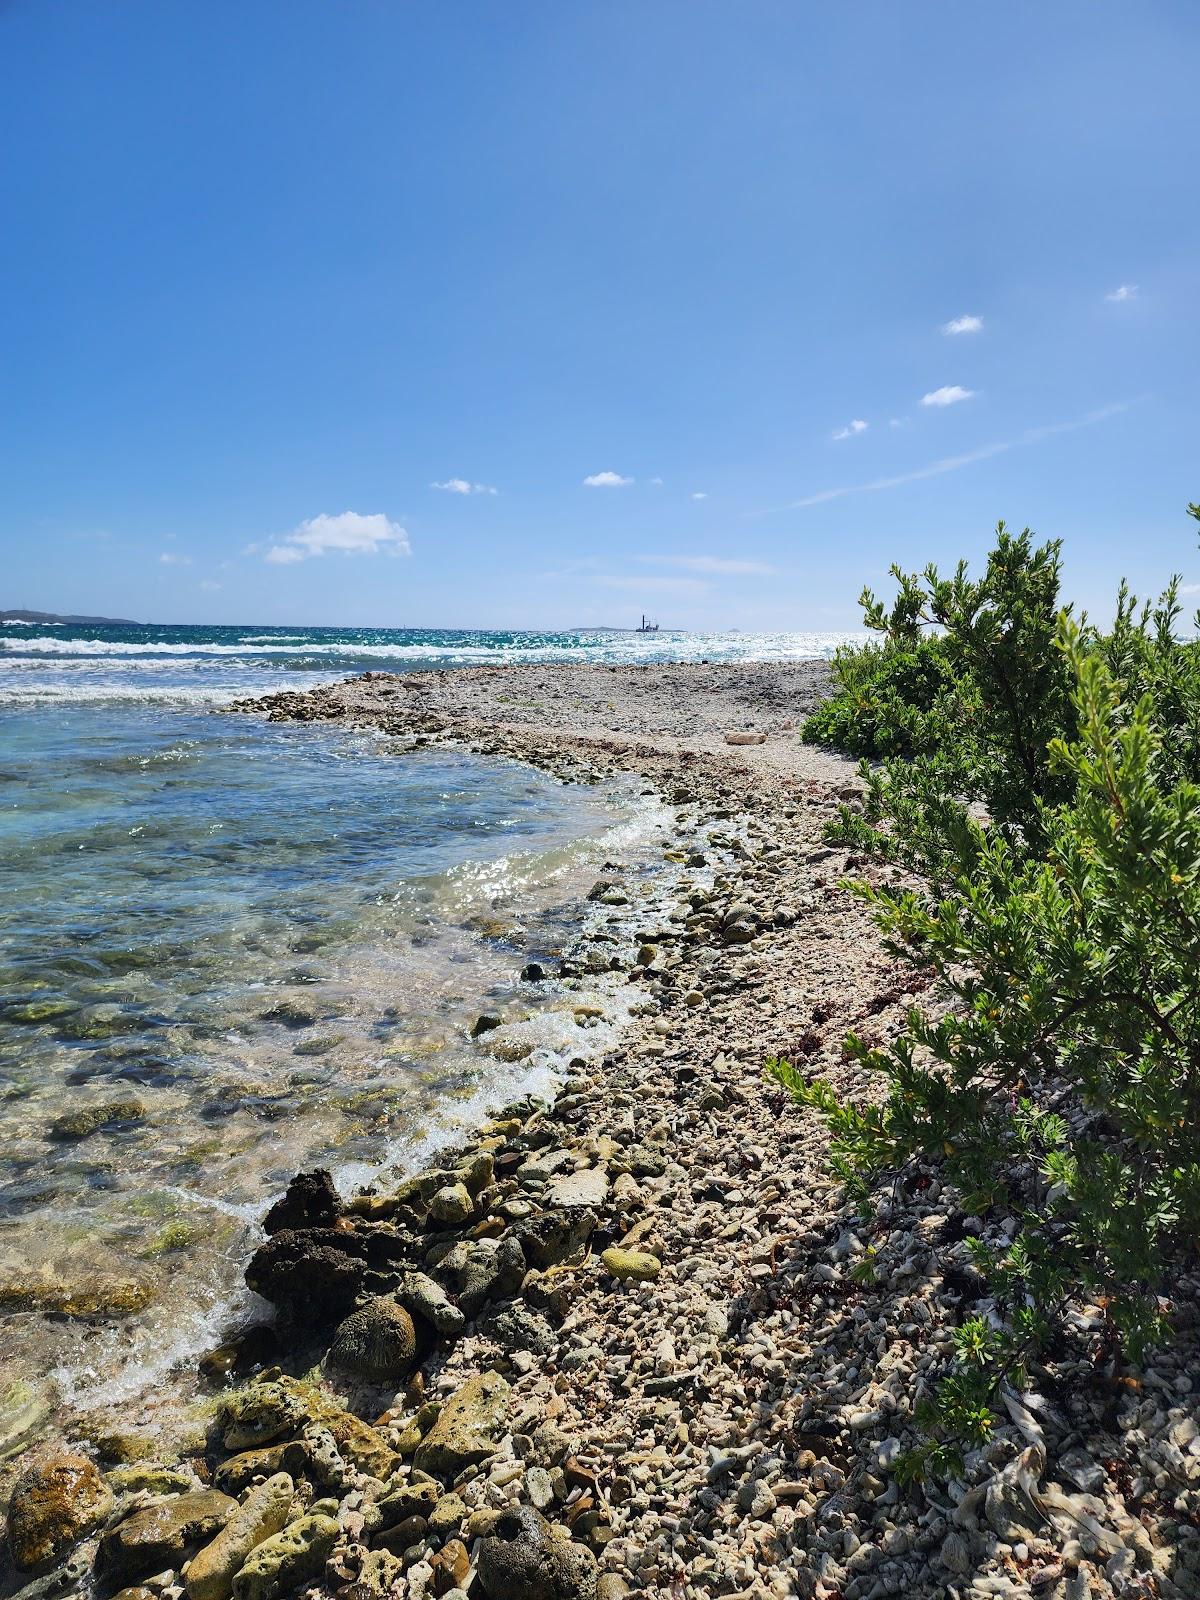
{"x":634,"y":1341}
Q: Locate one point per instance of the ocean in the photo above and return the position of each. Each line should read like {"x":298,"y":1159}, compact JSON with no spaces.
{"x":230,"y":949}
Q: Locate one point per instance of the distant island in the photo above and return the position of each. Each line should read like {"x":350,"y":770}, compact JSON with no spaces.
{"x":49,"y":617}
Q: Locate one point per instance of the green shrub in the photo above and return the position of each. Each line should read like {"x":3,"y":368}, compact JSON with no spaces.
{"x":1062,"y":920}
{"x":883,"y":698}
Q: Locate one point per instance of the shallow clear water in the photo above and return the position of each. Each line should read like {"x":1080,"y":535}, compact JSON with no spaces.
{"x":231,"y":948}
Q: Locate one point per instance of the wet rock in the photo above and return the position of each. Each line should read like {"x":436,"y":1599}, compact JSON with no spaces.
{"x":311,"y":1201}
{"x":254,"y":1347}
{"x":377,"y":1343}
{"x":86,"y":1120}
{"x":489,"y":1021}
{"x":212,"y":1570}
{"x":464,"y":1432}
{"x":99,"y":1294}
{"x":313,"y":1275}
{"x":55,"y":1504}
{"x":452,"y":1205}
{"x":637,"y":1265}
{"x":238,"y":1472}
{"x":426,"y":1299}
{"x":260,"y":1414}
{"x":291,"y":1557}
{"x":528,"y":1559}
{"x":158,"y":1536}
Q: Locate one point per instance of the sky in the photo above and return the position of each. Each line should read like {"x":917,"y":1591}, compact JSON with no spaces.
{"x":387,"y":313}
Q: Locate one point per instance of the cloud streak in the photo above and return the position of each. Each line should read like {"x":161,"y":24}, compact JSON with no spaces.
{"x":848,"y":432}
{"x":1123,"y":292}
{"x":935,"y":469}
{"x":349,"y":534}
{"x":715,"y":564}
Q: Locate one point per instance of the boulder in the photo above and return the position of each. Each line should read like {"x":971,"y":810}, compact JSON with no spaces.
{"x":291,"y":1557}
{"x":377,"y":1342}
{"x":587,"y":1187}
{"x":86,"y":1120}
{"x":491,"y":1269}
{"x":158,"y":1536}
{"x":311,"y":1201}
{"x":525,"y":1558}
{"x":464,"y":1432}
{"x":314,"y":1275}
{"x":212,"y":1570}
{"x":55,"y":1504}
{"x":554,"y":1236}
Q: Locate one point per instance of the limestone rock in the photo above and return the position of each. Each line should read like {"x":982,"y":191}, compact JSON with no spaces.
{"x":452,"y":1205}
{"x":428,"y":1300}
{"x":54,"y":1505}
{"x":157,"y":1536}
{"x":464,"y":1432}
{"x":291,"y":1557}
{"x":528,"y":1559}
{"x":212,"y":1570}
{"x":377,"y":1342}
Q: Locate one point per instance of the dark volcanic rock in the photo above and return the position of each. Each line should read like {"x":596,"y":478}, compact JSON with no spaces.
{"x":314,"y":1274}
{"x":311,"y":1201}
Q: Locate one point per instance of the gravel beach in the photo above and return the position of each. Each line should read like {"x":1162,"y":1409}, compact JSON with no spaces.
{"x":635,"y":1341}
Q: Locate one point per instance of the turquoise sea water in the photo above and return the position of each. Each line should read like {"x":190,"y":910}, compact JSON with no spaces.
{"x":229,"y":949}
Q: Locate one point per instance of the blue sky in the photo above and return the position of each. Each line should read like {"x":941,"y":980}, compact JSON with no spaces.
{"x":281,"y":280}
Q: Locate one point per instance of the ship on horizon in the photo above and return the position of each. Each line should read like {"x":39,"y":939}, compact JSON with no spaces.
{"x":647,"y":626}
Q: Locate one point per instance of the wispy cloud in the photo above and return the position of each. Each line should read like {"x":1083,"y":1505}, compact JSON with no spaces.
{"x":1123,"y":291}
{"x":848,"y":432}
{"x":170,"y":559}
{"x":716,"y":564}
{"x":606,"y":480}
{"x":962,"y":325}
{"x":699,"y":494}
{"x":935,"y":469}
{"x":657,"y":482}
{"x":464,"y":486}
{"x":350,"y":534}
{"x":209,"y":584}
{"x":948,"y":395}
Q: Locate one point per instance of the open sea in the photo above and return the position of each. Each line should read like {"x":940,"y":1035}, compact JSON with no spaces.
{"x":230,"y":949}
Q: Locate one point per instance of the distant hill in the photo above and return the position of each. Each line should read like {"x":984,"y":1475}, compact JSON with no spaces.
{"x":45,"y":617}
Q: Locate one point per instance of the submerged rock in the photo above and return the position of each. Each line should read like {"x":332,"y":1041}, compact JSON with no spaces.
{"x":54,"y":1505}
{"x":526,"y":1558}
{"x":465,"y":1429}
{"x":158,"y":1536}
{"x":377,"y":1342}
{"x":86,"y":1120}
{"x":212,"y":1570}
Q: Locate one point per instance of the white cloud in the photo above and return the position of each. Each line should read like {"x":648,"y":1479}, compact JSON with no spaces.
{"x":711,"y":564}
{"x":169,"y":559}
{"x":657,"y":482}
{"x":606,"y":480}
{"x":699,"y":494}
{"x":464,"y":486}
{"x":897,"y":422}
{"x":949,"y":395}
{"x":208,"y":583}
{"x":857,"y":426}
{"x":963,"y":325}
{"x":349,"y":534}
{"x":1124,"y":291}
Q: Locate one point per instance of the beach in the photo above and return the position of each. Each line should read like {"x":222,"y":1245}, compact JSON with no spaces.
{"x":643,"y":1342}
